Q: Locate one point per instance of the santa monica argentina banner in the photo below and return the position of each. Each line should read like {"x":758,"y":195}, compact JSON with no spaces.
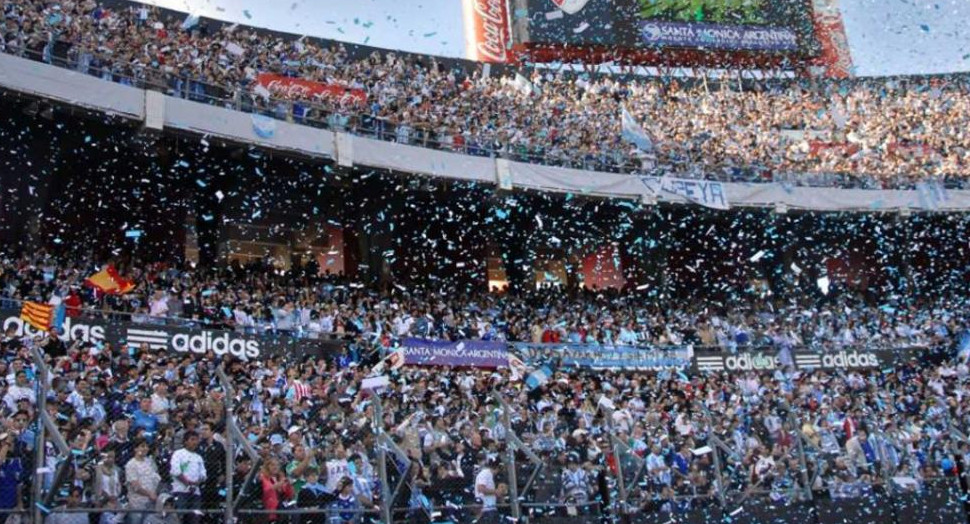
{"x":464,"y":353}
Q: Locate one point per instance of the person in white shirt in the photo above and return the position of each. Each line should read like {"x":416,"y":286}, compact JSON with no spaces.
{"x":575,"y":482}
{"x":158,"y":305}
{"x":21,"y":389}
{"x":188,"y":473}
{"x":160,"y":403}
{"x":337,"y":469}
{"x":488,"y":493}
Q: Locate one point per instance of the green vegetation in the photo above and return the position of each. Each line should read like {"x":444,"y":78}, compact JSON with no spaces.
{"x":715,"y":11}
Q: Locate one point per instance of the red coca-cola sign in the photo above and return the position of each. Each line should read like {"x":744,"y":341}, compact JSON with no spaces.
{"x":298,"y":88}
{"x":487,"y":30}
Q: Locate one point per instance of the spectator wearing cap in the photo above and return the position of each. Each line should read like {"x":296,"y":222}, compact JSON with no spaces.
{"x":188,"y":473}
{"x":575,"y":482}
{"x":294,"y":438}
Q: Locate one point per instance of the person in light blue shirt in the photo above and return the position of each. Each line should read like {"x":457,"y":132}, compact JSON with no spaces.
{"x":628,"y":337}
{"x":144,"y":418}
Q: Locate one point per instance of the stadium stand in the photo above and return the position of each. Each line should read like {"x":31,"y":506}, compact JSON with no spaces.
{"x":868,"y":133}
{"x":148,"y":431}
{"x":750,"y":366}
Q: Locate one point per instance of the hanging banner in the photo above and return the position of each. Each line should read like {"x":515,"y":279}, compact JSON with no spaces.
{"x":290,"y":87}
{"x":863,"y":359}
{"x":605,"y":357}
{"x":707,"y":193}
{"x":198,"y":340}
{"x":464,"y":353}
{"x":694,"y":35}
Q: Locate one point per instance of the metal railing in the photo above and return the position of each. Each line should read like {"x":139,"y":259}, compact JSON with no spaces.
{"x":554,"y":350}
{"x":304,"y":112}
{"x":636,"y":495}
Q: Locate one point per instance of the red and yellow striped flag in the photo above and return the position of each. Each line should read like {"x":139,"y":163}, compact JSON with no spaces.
{"x":110,"y":282}
{"x":41,"y":316}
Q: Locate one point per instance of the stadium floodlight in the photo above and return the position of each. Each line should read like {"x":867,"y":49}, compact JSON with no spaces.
{"x":781,"y":208}
{"x":905,"y":212}
{"x":648,"y":199}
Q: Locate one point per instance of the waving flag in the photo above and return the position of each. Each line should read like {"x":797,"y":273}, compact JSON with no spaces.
{"x":109,"y":281}
{"x":633,"y":133}
{"x":40,"y":316}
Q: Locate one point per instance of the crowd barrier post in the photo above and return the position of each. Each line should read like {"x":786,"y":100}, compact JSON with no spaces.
{"x":48,"y":430}
{"x":42,"y":380}
{"x":382,"y":458}
{"x":509,"y":456}
{"x":715,"y":444}
{"x":795,"y":424}
{"x":620,"y":482}
{"x":230,"y":447}
{"x":234,"y":434}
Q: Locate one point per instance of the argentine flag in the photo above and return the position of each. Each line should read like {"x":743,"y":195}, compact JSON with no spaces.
{"x":538,"y":377}
{"x":633,"y":133}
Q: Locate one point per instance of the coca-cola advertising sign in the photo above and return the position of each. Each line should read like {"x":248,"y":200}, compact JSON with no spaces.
{"x":487,"y":30}
{"x":836,"y":55}
{"x":299,"y":88}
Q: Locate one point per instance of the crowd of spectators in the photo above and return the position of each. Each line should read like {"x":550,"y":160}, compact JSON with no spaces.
{"x":259,"y":297}
{"x":146,"y":432}
{"x":892,"y":132}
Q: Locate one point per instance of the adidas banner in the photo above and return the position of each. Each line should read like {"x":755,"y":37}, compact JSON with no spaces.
{"x":199,"y":340}
{"x":849,"y":359}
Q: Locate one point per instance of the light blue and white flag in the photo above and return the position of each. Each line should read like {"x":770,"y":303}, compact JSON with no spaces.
{"x":538,"y":377}
{"x":633,"y":133}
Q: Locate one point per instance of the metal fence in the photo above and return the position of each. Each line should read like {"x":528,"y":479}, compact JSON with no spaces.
{"x":704,"y":475}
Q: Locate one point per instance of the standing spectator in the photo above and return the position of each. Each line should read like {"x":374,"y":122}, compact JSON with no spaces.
{"x":188,"y":474}
{"x":20,"y":389}
{"x":313,"y":495}
{"x":144,"y":419}
{"x":11,"y":476}
{"x":160,"y":403}
{"x":107,"y":479}
{"x":487,"y":492}
{"x":214,"y":457}
{"x":346,"y":505}
{"x":276,"y":488}
{"x":575,"y":483}
{"x":73,"y":502}
{"x":143,"y":479}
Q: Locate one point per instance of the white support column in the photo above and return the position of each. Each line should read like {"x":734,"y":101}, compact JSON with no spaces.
{"x":503,"y":174}
{"x":344,"y":147}
{"x":154,"y":110}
